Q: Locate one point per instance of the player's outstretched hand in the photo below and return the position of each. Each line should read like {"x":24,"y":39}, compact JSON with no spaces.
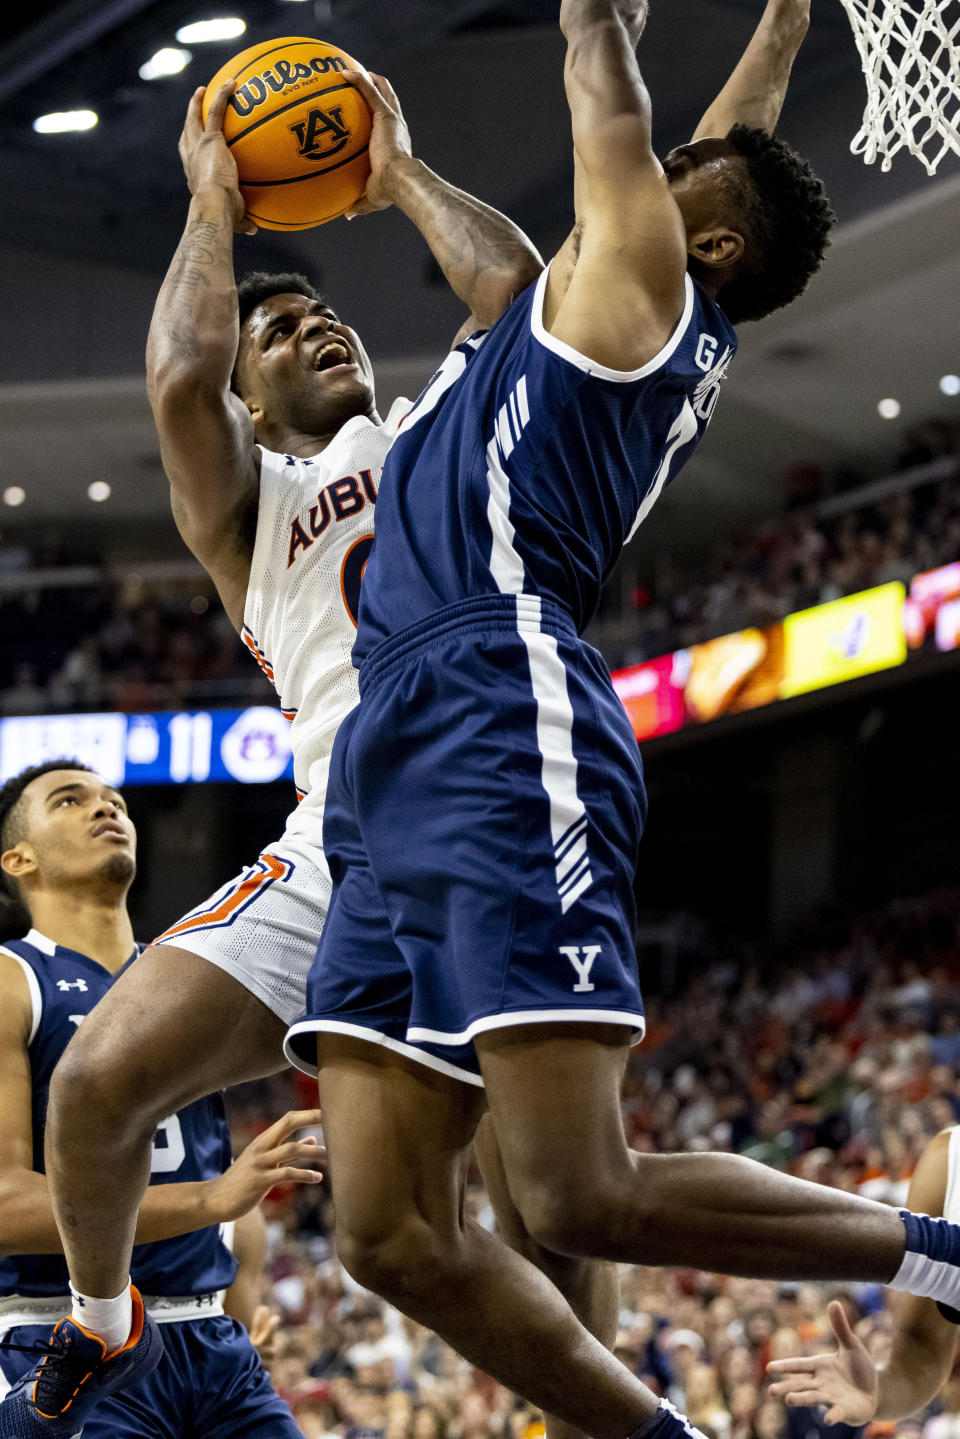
{"x":264,"y":1324}
{"x":845,"y":1381}
{"x":389,"y":140}
{"x":274,"y":1157}
{"x":204,"y":154}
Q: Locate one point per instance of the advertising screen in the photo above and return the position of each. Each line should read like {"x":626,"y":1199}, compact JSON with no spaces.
{"x":931,"y":611}
{"x":652,"y":694}
{"x":826,"y":645}
{"x":856,"y":635}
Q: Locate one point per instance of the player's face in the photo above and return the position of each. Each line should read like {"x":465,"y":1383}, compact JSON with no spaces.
{"x":301,"y":366}
{"x":78,"y":829}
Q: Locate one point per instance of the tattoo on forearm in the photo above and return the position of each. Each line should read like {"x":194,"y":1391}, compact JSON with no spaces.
{"x":198,"y":253}
{"x":199,"y":292}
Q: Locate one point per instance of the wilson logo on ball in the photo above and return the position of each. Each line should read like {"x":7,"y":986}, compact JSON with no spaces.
{"x":321,"y":134}
{"x":285,"y":73}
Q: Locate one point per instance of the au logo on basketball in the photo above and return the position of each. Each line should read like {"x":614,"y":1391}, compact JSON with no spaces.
{"x":321,"y":134}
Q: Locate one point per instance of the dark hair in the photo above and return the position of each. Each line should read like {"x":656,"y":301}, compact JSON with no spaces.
{"x":11,"y":830}
{"x":786,"y":220}
{"x":259,"y":285}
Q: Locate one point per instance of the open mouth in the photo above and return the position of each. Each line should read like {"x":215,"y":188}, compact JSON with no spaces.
{"x":334,"y":352}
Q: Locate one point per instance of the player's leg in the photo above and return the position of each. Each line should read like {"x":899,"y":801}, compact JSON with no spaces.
{"x":398,"y":1135}
{"x":172,"y":1029}
{"x":590,"y":1286}
{"x":180,"y":1023}
{"x":554,"y":1095}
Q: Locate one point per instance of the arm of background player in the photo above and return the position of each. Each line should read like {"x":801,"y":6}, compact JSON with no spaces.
{"x":626,"y":293}
{"x":485,"y":258}
{"x":242,"y":1299}
{"x":755,"y":92}
{"x":26,"y":1215}
{"x":922,"y":1350}
{"x":206,"y":432}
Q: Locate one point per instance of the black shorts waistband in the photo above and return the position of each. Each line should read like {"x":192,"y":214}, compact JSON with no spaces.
{"x":482,"y":614}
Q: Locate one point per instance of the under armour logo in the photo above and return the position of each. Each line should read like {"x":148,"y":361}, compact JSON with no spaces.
{"x":582,"y":965}
{"x":321,"y":134}
{"x":65,"y":984}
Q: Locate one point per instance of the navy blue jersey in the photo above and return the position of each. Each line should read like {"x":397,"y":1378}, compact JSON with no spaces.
{"x":525,"y":468}
{"x":192,"y":1145}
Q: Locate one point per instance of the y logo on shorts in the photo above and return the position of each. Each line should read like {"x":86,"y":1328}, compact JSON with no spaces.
{"x":582,"y":965}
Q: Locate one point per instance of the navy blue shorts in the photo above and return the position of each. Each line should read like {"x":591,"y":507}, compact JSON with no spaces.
{"x":484,"y":808}
{"x":209,"y":1383}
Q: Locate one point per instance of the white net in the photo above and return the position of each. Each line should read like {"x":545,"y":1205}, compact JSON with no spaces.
{"x":910,"y":53}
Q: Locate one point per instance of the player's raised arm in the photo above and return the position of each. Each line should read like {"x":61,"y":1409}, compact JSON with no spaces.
{"x":846,"y":1380}
{"x":626,"y":292}
{"x":206,"y":432}
{"x":484,"y":256}
{"x":756,"y":90}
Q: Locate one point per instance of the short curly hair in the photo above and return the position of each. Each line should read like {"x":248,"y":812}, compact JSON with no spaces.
{"x":11,"y":826}
{"x":259,"y":285}
{"x":785,"y":219}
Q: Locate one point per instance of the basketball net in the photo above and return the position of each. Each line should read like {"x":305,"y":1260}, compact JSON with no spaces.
{"x":910,"y":53}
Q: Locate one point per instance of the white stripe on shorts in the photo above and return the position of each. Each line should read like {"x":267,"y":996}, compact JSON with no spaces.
{"x":548,"y":677}
{"x":549,"y":682}
{"x":373,"y":1036}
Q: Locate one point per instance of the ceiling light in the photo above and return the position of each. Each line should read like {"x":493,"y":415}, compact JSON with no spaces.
{"x":201,"y":32}
{"x":63,"y":120}
{"x":888,"y":409}
{"x":168,"y":61}
{"x":98,"y":491}
{"x":14,"y":495}
{"x":950,"y":384}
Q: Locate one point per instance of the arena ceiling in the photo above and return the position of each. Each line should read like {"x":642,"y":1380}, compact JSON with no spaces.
{"x":89,"y":221}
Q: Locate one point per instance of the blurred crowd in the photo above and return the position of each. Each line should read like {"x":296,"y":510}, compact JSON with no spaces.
{"x":114,"y":642}
{"x":122,"y":640}
{"x":836,"y":1059}
{"x":797,"y":560}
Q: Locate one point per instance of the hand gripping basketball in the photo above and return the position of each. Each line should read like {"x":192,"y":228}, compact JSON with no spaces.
{"x":389,"y":140}
{"x":206,"y":160}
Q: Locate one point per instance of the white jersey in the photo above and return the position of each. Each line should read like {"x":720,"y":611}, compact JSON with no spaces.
{"x":314,"y":533}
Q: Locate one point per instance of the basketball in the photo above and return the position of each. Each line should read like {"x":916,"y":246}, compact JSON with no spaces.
{"x":298,"y":132}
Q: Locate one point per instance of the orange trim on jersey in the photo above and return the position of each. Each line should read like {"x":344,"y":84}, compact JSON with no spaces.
{"x":288,"y":714}
{"x":244,"y":892}
{"x":363,"y":540}
{"x":257,"y":653}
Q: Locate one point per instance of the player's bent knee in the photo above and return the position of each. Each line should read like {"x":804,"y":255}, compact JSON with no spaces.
{"x":93,"y":1088}
{"x":409,"y":1260}
{"x":580,"y":1222}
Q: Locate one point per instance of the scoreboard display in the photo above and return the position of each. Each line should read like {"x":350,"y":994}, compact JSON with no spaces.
{"x":251,"y":746}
